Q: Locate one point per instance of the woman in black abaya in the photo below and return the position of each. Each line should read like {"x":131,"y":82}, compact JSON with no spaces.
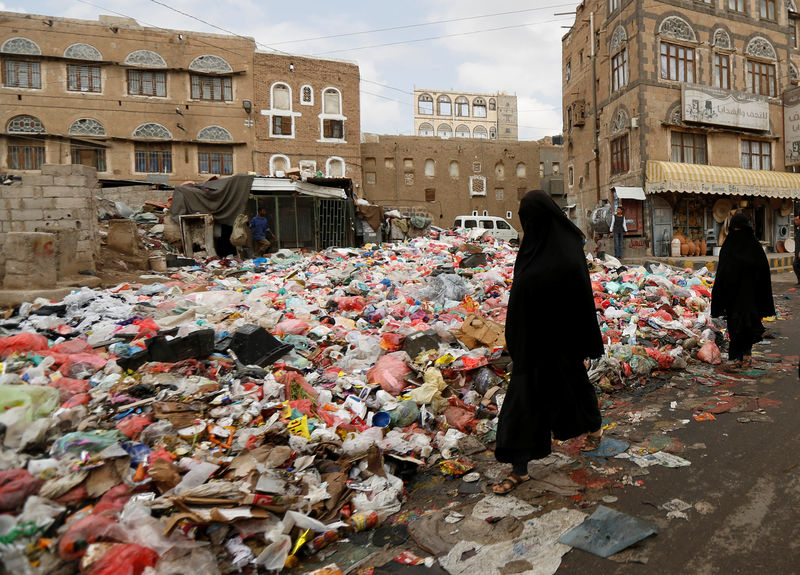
{"x":742,"y":290}
{"x":551,"y":328}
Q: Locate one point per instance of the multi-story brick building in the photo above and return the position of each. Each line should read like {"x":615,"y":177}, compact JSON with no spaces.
{"x":465,"y":115}
{"x":447,"y":178}
{"x":132,"y":101}
{"x":686,"y":101}
{"x":308,"y":116}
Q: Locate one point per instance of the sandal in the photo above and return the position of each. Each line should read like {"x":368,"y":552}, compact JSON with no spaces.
{"x":592,"y":441}
{"x":509,"y":483}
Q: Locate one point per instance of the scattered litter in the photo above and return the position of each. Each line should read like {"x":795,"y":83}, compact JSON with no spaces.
{"x":607,"y":531}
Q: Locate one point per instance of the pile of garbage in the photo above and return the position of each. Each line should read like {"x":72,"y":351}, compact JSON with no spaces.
{"x":239,"y":415}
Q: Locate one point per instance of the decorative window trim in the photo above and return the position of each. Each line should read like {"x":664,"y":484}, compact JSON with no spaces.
{"x":426,"y":98}
{"x":760,"y":47}
{"x":475,"y":188}
{"x":307,"y":167}
{"x":793,"y":75}
{"x":87,"y":127}
{"x":210,"y":64}
{"x":272,"y":163}
{"x":677,"y":28}
{"x":272,"y":97}
{"x":214,"y":134}
{"x":145,"y":59}
{"x":152,"y":131}
{"x":462,"y":129}
{"x":303,"y":101}
{"x":19,"y":45}
{"x":82,"y":51}
{"x":721,"y":40}
{"x":338,"y":117}
{"x":427,"y":126}
{"x":618,"y":39}
{"x":328,"y":163}
{"x":620,"y":122}
{"x":449,"y":129}
{"x":484,"y":135}
{"x":33,"y":125}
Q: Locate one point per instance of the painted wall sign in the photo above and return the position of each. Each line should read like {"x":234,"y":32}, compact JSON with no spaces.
{"x":725,"y":108}
{"x":791,"y":126}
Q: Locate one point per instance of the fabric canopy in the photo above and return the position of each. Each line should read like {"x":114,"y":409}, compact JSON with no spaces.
{"x":225,"y":199}
{"x":700,"y":179}
{"x":626,"y":193}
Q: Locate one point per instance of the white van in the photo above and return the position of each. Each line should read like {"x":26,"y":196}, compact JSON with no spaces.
{"x":496,"y":227}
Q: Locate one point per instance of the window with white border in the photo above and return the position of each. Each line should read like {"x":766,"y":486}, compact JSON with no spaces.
{"x":280,"y":114}
{"x":308,"y":168}
{"x":334,"y":167}
{"x":508,"y":215}
{"x":279,"y":163}
{"x":477,"y":186}
{"x":307,"y":95}
{"x":331,"y":120}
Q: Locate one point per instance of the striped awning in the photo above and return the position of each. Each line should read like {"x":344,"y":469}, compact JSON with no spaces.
{"x":700,"y":179}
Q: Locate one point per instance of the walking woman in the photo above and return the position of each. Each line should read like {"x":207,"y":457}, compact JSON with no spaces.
{"x":742,"y":290}
{"x":551,"y":328}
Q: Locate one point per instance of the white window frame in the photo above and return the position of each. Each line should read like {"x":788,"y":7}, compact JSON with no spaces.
{"x":272,"y":111}
{"x":302,"y":90}
{"x":323,"y":116}
{"x":272,"y":163}
{"x":307,"y":166}
{"x":328,"y":166}
{"x":472,"y":189}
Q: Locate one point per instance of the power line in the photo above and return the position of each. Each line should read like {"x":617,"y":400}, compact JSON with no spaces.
{"x":439,"y":37}
{"x":408,"y":26}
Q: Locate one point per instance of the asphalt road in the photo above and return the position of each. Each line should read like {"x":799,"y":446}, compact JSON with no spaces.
{"x":744,"y":486}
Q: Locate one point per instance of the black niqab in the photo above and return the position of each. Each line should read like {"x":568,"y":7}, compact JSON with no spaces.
{"x":743,"y":286}
{"x":550,"y":307}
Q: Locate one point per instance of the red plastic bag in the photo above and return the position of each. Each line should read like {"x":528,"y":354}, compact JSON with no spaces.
{"x":81,"y":534}
{"x":15,"y":487}
{"x":113,"y":500}
{"x":72,"y":346}
{"x":82,"y":362}
{"x":22,"y":343}
{"x":460,"y":418}
{"x":124,"y":559}
{"x":710,"y":353}
{"x":354,"y":303}
{"x":76,"y":400}
{"x":67,"y":387}
{"x":133,"y":425}
{"x":389,"y":372}
{"x":391,"y":341}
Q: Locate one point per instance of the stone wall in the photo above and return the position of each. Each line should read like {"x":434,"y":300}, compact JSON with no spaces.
{"x":135,"y":196}
{"x":59,"y":200}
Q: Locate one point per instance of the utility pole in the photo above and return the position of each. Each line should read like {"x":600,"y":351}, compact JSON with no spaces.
{"x":593,"y":56}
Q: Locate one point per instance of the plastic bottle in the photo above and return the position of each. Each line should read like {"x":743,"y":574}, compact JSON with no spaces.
{"x":363,"y":521}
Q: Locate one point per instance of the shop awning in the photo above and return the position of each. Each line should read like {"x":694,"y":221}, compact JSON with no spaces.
{"x":699,"y":179}
{"x":628,"y":193}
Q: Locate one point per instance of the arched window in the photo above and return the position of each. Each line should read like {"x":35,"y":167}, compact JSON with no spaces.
{"x":152,"y":131}
{"x":332,"y":101}
{"x":430,"y":168}
{"x":281,"y":97}
{"x":522,"y":170}
{"x":208,"y":63}
{"x":20,"y":46}
{"x":425,"y":104}
{"x":454,"y":171}
{"x":499,"y":170}
{"x":677,"y":28}
{"x":214,"y":134}
{"x":307,"y":95}
{"x":462,"y":131}
{"x":425,"y":129}
{"x":145,"y":59}
{"x":82,"y":52}
{"x":279,"y":163}
{"x":334,"y":167}
{"x":25,"y":125}
{"x":492,"y":104}
{"x":87,"y":127}
{"x":462,"y":107}
{"x":619,"y":59}
{"x":445,"y":131}
{"x":479,"y":108}
{"x":445,"y":106}
{"x":493,"y":133}
{"x":480,"y":132}
{"x":761,"y":69}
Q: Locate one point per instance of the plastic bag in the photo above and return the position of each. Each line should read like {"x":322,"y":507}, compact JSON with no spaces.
{"x":389,"y":372}
{"x":124,"y":559}
{"x":15,"y":487}
{"x":292,"y":326}
{"x":179,"y":562}
{"x":133,"y":425}
{"x":239,"y":233}
{"x":22,"y":343}
{"x":81,"y":533}
{"x":710,"y":353}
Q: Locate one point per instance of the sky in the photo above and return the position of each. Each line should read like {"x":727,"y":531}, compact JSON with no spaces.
{"x":510,"y":46}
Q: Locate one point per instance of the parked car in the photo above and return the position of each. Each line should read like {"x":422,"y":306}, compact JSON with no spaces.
{"x":496,"y":227}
